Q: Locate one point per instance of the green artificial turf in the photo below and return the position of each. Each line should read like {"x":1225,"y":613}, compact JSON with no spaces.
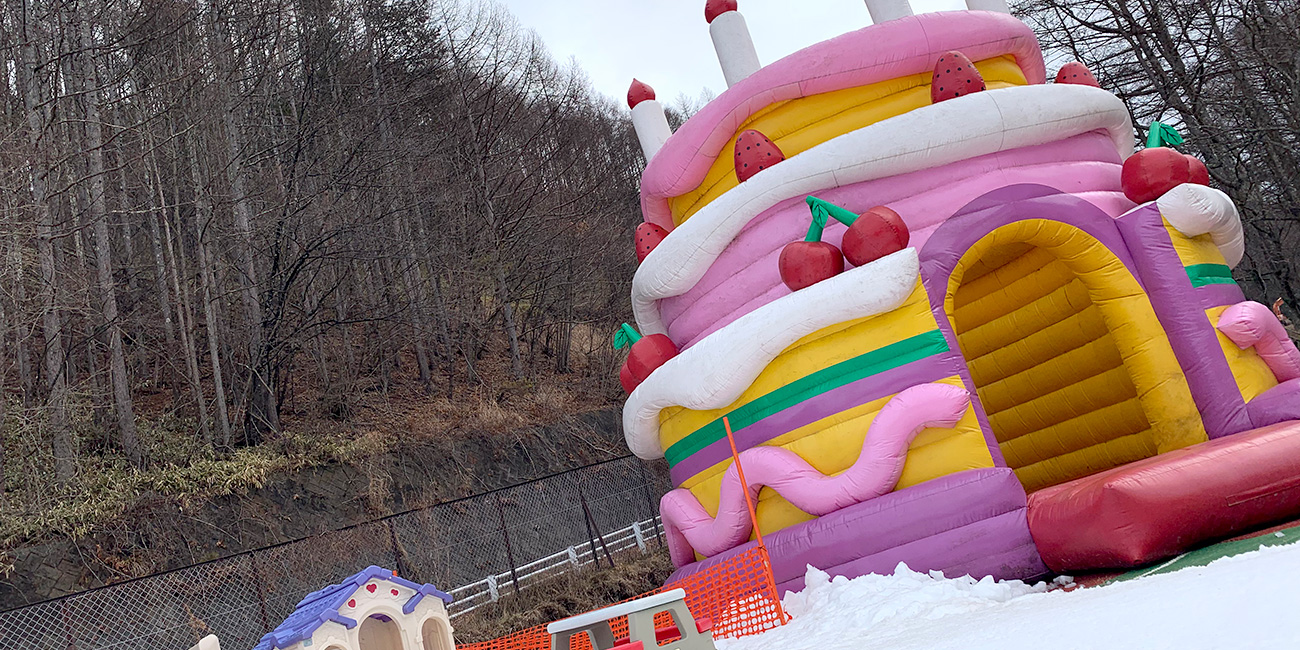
{"x":1204,"y":556}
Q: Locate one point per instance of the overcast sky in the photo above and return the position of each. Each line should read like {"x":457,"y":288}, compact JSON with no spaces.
{"x":665,"y":43}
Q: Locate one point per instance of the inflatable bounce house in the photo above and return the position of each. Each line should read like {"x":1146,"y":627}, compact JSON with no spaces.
{"x":372,"y":610}
{"x":950,"y":316}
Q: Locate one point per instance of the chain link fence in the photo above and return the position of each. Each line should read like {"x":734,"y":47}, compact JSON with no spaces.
{"x":462,"y":542}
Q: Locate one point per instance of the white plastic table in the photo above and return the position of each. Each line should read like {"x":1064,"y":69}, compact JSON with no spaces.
{"x":640,"y":615}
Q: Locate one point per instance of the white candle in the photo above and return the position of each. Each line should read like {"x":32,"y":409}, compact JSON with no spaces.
{"x":731,"y":40}
{"x":648,"y":118}
{"x":988,"y":5}
{"x":887,"y":10}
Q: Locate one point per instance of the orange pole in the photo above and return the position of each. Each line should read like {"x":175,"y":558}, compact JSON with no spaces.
{"x":753,"y":514}
{"x":735,"y":458}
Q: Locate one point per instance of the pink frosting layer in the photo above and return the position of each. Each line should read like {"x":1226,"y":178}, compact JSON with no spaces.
{"x":877,"y":53}
{"x":745,"y":276}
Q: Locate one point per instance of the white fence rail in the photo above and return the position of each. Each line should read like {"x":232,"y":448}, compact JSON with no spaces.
{"x":488,"y":590}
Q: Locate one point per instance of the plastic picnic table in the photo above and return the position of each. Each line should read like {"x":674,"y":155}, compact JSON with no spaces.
{"x":642,"y":633}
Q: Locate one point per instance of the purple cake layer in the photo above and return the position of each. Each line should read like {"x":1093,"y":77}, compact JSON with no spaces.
{"x":971,"y":522}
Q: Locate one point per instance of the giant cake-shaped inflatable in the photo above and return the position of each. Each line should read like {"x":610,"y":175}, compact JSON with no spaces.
{"x":1027,"y":325}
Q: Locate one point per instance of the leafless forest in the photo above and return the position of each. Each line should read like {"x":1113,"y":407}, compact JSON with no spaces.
{"x":1227,"y":74}
{"x":227,"y":221}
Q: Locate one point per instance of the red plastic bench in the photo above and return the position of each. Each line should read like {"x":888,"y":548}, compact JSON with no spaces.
{"x":664,"y":635}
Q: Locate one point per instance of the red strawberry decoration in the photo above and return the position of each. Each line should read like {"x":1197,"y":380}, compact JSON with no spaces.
{"x":1200,"y":173}
{"x":954,"y":76}
{"x":639,"y":92}
{"x":646,"y":355}
{"x":715,"y":8}
{"x":648,"y":236}
{"x":1076,"y":73}
{"x":805,"y":263}
{"x":874,"y":234}
{"x":754,"y":153}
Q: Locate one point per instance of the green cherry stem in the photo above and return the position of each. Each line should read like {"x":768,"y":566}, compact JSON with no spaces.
{"x":834,"y":211}
{"x":819,"y":220}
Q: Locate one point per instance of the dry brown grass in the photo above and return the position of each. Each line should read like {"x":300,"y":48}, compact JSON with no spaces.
{"x":566,"y":595}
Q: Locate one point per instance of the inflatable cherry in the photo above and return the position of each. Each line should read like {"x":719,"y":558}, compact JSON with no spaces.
{"x":805,"y":263}
{"x":646,"y":355}
{"x":874,"y":234}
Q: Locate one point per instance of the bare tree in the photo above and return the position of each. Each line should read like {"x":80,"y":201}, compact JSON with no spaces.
{"x":279,"y":210}
{"x":98,"y":215}
{"x":37,"y":104}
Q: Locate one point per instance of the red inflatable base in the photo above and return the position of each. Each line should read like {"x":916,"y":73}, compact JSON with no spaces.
{"x":1159,"y":507}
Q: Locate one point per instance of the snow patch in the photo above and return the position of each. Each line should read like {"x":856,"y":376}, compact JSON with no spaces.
{"x":1245,"y":601}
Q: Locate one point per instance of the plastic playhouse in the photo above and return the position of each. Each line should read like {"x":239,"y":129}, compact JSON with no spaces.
{"x":952,"y":317}
{"x":372,"y":610}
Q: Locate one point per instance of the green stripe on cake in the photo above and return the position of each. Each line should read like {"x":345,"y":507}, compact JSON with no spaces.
{"x":846,"y":372}
{"x":1203,"y":274}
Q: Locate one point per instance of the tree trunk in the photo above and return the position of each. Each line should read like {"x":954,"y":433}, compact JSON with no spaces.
{"x":20,"y":330}
{"x":4,"y":407}
{"x":203,"y":221}
{"x":98,"y":213}
{"x":62,"y":443}
{"x":508,"y":321}
{"x":261,"y":414}
{"x":155,"y":210}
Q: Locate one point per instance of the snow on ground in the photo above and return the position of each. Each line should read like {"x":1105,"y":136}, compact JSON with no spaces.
{"x":1246,"y":601}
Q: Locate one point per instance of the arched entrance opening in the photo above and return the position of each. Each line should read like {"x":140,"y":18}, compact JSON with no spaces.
{"x":380,"y":632}
{"x":436,"y":635}
{"x":1070,"y":363}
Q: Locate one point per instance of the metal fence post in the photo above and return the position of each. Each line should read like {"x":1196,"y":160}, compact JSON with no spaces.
{"x":645,"y":484}
{"x":261,"y":595}
{"x":510,"y":553}
{"x":591,"y":526}
{"x":402,"y":569}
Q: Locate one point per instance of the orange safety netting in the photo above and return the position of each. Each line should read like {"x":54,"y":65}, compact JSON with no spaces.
{"x":738,"y":596}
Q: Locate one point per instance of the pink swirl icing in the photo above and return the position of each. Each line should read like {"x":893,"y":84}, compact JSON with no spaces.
{"x":1250,"y":324}
{"x":689,"y":527}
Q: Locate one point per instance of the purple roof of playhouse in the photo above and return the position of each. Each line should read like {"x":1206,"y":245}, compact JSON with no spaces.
{"x":322,"y":606}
